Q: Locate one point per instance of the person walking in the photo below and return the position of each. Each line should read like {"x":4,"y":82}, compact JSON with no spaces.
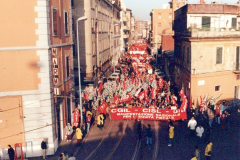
{"x":44,"y":148}
{"x":199,"y":131}
{"x":191,"y":125}
{"x":88,"y":120}
{"x":210,"y":117}
{"x":217,"y":114}
{"x":197,"y":152}
{"x":10,"y":152}
{"x":171,"y":134}
{"x":149,"y":136}
{"x":208,"y":150}
{"x":100,"y":121}
{"x":79,"y":136}
{"x":69,"y":132}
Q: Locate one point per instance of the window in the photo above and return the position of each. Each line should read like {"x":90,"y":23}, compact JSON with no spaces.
{"x":159,"y":25}
{"x":66,"y":22}
{"x":159,"y":16}
{"x":234,"y":23}
{"x":219,"y":55}
{"x":54,"y":21}
{"x":206,"y":21}
{"x":170,"y":16}
{"x":183,"y":53}
{"x":217,"y":88}
{"x":72,"y":3}
{"x":67,"y":66}
{"x":237,"y":59}
{"x":170,"y":25}
{"x":188,"y":57}
{"x":72,"y":24}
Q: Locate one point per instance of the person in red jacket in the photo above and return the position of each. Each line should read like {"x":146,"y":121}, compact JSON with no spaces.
{"x":88,"y":120}
{"x":217,"y":114}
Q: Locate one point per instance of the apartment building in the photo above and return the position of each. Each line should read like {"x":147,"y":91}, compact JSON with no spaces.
{"x":207,"y":43}
{"x":162,"y":21}
{"x":36,"y":89}
{"x":99,"y":37}
{"x":131,"y":25}
{"x":140,"y":26}
{"x":125,"y":30}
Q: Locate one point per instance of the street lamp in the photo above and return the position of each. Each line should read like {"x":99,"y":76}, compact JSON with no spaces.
{"x":79,"y":73}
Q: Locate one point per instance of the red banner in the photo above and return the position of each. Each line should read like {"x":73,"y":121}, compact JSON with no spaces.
{"x":147,"y":113}
{"x":76,"y":116}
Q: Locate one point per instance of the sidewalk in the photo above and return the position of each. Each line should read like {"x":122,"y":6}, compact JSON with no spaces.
{"x":70,"y":148}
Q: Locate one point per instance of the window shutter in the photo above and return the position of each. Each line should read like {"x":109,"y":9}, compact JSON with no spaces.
{"x":55,"y":17}
{"x":219,"y":55}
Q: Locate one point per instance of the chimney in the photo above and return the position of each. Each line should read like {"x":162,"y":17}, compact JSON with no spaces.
{"x":202,"y":2}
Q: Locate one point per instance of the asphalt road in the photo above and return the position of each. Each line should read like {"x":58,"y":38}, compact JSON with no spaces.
{"x":119,"y":141}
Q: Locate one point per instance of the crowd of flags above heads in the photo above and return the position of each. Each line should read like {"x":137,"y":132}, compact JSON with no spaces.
{"x":134,"y":85}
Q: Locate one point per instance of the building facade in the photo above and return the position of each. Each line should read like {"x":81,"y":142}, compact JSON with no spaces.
{"x":140,"y":27}
{"x":207,"y":43}
{"x":36,"y":96}
{"x":125,"y":29}
{"x":99,"y":37}
{"x":162,"y":20}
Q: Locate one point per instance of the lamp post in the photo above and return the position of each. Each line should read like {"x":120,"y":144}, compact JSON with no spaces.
{"x":79,"y":72}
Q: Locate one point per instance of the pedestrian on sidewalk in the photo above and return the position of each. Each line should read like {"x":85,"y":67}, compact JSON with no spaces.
{"x":191,"y":125}
{"x":88,"y":120}
{"x":208,"y":150}
{"x":44,"y":148}
{"x":69,"y":132}
{"x":197,"y":152}
{"x":199,"y":131}
{"x":171,"y":134}
{"x":149,"y":136}
{"x":11,"y":152}
{"x":100,"y":119}
{"x":79,"y":136}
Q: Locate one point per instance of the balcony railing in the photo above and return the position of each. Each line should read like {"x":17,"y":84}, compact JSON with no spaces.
{"x":209,"y":32}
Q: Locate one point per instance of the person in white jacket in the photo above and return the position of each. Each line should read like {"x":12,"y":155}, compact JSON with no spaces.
{"x":199,"y":131}
{"x":192,"y":125}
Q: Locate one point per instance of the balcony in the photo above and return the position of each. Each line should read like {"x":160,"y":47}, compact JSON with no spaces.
{"x":209,"y":32}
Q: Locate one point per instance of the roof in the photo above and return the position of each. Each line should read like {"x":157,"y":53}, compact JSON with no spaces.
{"x":208,"y":9}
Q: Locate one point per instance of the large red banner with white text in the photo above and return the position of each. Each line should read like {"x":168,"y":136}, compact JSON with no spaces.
{"x":147,"y":114}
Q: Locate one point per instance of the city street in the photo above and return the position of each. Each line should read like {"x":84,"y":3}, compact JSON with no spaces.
{"x":118,"y":140}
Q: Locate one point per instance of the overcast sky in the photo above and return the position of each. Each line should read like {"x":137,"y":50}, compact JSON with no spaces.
{"x":142,"y":8}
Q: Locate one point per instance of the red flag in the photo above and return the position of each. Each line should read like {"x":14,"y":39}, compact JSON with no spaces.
{"x":202,"y":103}
{"x":160,"y":83}
{"x":102,"y":108}
{"x":173,"y":101}
{"x":127,"y":99}
{"x":167,"y":100}
{"x":86,"y":98}
{"x":116,"y":100}
{"x":181,"y":93}
{"x":154,"y":93}
{"x":184,"y":108}
{"x":141,"y":96}
{"x":190,"y":105}
{"x":76,"y":116}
